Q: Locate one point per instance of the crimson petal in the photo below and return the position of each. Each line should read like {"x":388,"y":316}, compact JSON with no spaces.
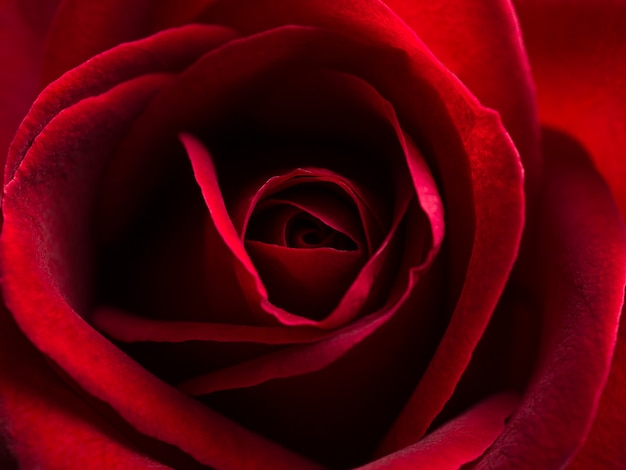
{"x":462,"y":440}
{"x":581,"y":264}
{"x":34,"y":255}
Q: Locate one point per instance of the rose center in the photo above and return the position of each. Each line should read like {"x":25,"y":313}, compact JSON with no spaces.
{"x":306,"y":235}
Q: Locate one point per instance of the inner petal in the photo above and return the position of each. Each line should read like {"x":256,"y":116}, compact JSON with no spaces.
{"x":306,"y":238}
{"x":306,"y":281}
{"x":305,"y":231}
{"x":309,"y":215}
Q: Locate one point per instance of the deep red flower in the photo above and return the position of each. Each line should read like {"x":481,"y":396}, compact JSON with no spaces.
{"x":312,"y":234}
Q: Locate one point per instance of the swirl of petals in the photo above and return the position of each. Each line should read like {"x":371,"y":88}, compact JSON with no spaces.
{"x":373,"y":227}
{"x":493,"y":170}
{"x":57,"y":273}
{"x":428,"y":196}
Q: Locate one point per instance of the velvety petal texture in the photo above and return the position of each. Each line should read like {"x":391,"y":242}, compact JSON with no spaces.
{"x":481,"y":43}
{"x":581,"y":92}
{"x":310,"y":234}
{"x":581,"y":255}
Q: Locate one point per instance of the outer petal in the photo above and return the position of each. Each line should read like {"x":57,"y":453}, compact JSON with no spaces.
{"x":494,"y":65}
{"x":579,"y":277}
{"x":54,"y":273}
{"x":455,"y":443}
{"x":580,"y":73}
{"x":480,"y":42}
{"x":40,"y":413}
{"x":605,"y":448}
{"x":480,"y":133}
{"x":482,"y":287}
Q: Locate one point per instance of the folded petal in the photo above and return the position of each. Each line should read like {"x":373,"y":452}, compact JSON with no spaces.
{"x":579,"y":276}
{"x":49,"y":258}
{"x":40,"y":411}
{"x":457,"y":442}
{"x":481,"y":43}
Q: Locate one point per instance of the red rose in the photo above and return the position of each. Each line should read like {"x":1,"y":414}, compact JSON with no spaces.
{"x":313,"y":234}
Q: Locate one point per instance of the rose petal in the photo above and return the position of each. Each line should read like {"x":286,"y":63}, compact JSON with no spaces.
{"x":604,"y":446}
{"x":274,"y":217}
{"x":304,"y":359}
{"x":373,"y":22}
{"x":39,"y":412}
{"x":581,"y":265}
{"x":474,"y":308}
{"x":167,"y":51}
{"x":460,"y":441}
{"x":35,"y":259}
{"x":496,"y":266}
{"x":252,"y":286}
{"x":322,"y":204}
{"x":481,"y":43}
{"x":68,"y":255}
{"x":460,"y":116}
{"x":307,"y":281}
{"x":183,"y":331}
{"x":124,"y":326}
{"x":482,"y":287}
{"x":207,"y":180}
{"x":338,"y":413}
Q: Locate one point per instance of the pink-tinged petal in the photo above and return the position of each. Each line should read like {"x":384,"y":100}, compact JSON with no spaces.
{"x":499,"y":206}
{"x":455,"y":443}
{"x":304,"y":359}
{"x":49,"y":425}
{"x":340,"y":342}
{"x":206,"y":178}
{"x":576,"y":51}
{"x":251,"y":284}
{"x":44,"y":256}
{"x":184,"y":111}
{"x":307,"y":281}
{"x":579,"y":273}
{"x":338,"y":413}
{"x":604,"y":447}
{"x":297,"y":360}
{"x":476,"y":162}
{"x":66,"y":225}
{"x":481,"y":43}
{"x":466,"y":144}
{"x":321,"y":203}
{"x":126,"y":327}
{"x":275,"y":216}
{"x":23,"y":25}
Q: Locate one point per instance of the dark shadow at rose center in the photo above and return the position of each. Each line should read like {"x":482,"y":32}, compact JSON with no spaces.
{"x":305,"y":231}
{"x":308,"y":241}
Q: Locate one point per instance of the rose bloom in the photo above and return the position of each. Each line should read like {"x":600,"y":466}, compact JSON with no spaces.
{"x":309,"y":234}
